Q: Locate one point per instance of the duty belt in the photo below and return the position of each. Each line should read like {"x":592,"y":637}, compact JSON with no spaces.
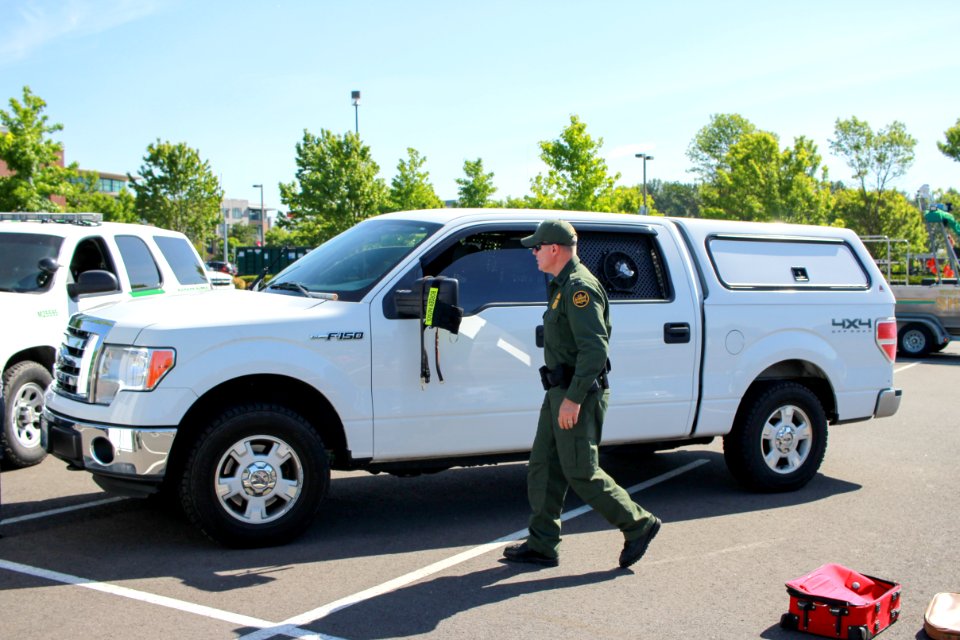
{"x":562,"y":375}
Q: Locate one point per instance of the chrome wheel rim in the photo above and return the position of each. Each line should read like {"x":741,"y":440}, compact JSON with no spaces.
{"x":786,"y":439}
{"x":26,"y":410}
{"x":259,"y":479}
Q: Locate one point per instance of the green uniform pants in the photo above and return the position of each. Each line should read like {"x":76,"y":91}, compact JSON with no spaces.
{"x":568,"y":458}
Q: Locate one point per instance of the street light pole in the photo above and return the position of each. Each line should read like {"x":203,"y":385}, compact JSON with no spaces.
{"x":262,"y":215}
{"x":643,"y":209}
{"x":355,"y":96}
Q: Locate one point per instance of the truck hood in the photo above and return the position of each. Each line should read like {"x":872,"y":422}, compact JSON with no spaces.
{"x":214,"y":310}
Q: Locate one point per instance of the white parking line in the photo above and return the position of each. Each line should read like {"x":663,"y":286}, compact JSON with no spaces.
{"x":54,"y":512}
{"x":905,"y":367}
{"x":337,"y":605}
{"x":163,"y":601}
{"x":290,"y":626}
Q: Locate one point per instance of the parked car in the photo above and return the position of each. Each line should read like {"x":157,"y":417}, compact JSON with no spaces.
{"x":53,"y":265}
{"x":219,"y":279}
{"x":222,"y":267}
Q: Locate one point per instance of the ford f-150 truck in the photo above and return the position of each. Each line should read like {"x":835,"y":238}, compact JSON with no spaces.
{"x":243,"y":402}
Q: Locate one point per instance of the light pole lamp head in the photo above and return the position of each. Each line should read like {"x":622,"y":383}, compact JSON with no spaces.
{"x":258,"y":186}
{"x":645,"y":156}
{"x":355,"y":96}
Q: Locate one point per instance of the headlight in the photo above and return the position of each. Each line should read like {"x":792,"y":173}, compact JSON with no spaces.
{"x":130,"y":369}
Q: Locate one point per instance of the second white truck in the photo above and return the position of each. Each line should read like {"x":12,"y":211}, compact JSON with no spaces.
{"x":243,"y":402}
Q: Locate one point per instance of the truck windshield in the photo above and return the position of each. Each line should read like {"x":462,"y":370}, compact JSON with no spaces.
{"x":350,"y":264}
{"x":20,"y":255}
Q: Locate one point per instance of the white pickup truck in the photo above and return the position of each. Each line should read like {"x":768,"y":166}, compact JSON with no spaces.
{"x":244,"y":401}
{"x":53,"y":265}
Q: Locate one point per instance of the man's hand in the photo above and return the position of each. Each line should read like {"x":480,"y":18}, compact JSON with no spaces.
{"x":569,"y":414}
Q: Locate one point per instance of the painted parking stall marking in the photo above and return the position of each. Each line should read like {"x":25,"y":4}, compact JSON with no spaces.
{"x":290,"y":627}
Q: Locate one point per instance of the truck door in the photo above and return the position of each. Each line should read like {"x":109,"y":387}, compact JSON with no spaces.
{"x":491,"y":394}
{"x":655,"y":340}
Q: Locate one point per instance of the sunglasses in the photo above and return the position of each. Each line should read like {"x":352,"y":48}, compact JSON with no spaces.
{"x":540,"y":245}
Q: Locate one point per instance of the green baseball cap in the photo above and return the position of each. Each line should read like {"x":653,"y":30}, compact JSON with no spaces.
{"x":552,"y":232}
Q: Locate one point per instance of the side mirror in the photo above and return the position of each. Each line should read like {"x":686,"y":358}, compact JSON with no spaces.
{"x":93,"y":281}
{"x":414,"y":302}
{"x":48,"y":265}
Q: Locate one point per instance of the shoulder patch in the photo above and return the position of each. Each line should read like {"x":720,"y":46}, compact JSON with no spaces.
{"x":581,"y":299}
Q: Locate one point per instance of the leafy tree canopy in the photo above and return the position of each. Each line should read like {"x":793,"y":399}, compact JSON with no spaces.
{"x":336,"y":186}
{"x":85,"y":195}
{"x":756,"y":180}
{"x":32,"y":156}
{"x":411,"y":189}
{"x":709,"y":147}
{"x":177,"y":190}
{"x":951,"y":148}
{"x":875,"y":158}
{"x":675,"y":199}
{"x":477,"y":187}
{"x":577,"y":177}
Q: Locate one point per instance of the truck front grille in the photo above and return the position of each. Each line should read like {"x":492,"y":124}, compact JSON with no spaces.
{"x":82,"y":341}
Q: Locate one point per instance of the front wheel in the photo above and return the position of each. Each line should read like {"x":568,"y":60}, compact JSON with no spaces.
{"x":23,"y":387}
{"x":255,"y":477}
{"x":779,"y":441}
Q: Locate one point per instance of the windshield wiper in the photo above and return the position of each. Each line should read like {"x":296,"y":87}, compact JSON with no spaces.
{"x":307,"y":293}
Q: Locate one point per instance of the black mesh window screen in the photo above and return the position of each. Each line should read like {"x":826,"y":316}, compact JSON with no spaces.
{"x":629,"y":265}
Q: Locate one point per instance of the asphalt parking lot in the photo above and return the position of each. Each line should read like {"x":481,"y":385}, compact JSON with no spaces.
{"x":420,"y":557}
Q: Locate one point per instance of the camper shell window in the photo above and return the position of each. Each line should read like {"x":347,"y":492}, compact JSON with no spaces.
{"x":766,"y":263}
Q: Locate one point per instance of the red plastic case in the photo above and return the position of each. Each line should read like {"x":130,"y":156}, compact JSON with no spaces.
{"x":836,"y":602}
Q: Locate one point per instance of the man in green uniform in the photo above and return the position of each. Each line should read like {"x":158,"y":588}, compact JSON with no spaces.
{"x":576,"y":333}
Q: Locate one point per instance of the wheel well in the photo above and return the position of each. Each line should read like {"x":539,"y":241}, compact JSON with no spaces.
{"x":801,"y":372}
{"x":281,"y":390}
{"x":44,"y":355}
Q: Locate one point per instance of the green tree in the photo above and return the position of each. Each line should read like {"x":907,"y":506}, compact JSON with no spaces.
{"x":675,"y":199}
{"x":32,"y":156}
{"x":951,"y":148}
{"x":336,"y":186}
{"x":757,"y":181}
{"x":709,"y":148}
{"x":177,"y":190}
{"x":875,"y":158}
{"x":577,"y":177}
{"x":84,"y":195}
{"x":477,"y":187}
{"x":896,"y":217}
{"x":411,"y":189}
{"x":629,"y":200}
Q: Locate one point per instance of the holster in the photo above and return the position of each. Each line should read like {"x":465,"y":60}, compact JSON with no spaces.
{"x":562,"y":375}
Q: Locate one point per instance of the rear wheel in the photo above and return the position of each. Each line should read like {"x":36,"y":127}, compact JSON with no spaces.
{"x":23,"y":387}
{"x":779,"y":441}
{"x":915,"y":340}
{"x":255,"y":477}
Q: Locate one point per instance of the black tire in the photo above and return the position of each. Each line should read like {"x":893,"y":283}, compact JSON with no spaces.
{"x":250,"y":452}
{"x":779,"y":439}
{"x":23,"y":387}
{"x":914,"y":340}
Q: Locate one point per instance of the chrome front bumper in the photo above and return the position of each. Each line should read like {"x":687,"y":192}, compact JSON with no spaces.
{"x":888,"y":401}
{"x":118,"y":451}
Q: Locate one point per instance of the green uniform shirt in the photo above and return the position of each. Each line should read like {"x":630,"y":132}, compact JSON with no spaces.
{"x":576,"y":327}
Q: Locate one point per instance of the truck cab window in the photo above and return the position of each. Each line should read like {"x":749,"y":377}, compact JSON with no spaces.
{"x":141,"y":267}
{"x":90,"y":254}
{"x":493,"y":268}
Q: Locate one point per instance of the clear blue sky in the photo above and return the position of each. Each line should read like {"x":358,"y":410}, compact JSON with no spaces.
{"x":241,"y":80}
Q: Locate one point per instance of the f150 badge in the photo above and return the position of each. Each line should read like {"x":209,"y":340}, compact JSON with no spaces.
{"x":339,"y":335}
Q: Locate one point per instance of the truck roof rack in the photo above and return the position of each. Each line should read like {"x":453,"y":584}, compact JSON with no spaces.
{"x":44,"y":216}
